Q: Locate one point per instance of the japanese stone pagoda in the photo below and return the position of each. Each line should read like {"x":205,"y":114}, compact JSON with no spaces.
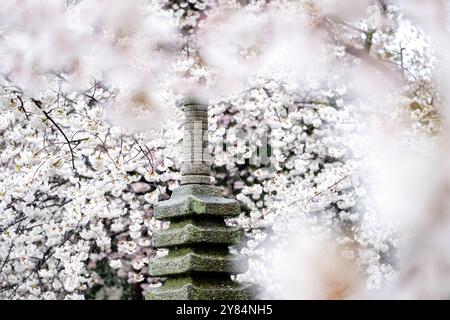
{"x":199,"y":264}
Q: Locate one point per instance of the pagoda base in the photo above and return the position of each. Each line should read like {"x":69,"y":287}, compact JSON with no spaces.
{"x":190,"y":291}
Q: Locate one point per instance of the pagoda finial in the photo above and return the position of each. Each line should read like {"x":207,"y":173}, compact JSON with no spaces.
{"x":196,"y":164}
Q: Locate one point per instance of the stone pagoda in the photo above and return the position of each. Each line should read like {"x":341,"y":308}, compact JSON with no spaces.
{"x":199,"y":264}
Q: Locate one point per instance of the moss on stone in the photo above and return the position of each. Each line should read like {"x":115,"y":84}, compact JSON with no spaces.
{"x":197,"y":205}
{"x":191,"y":200}
{"x":199,"y":263}
{"x":194,"y":262}
{"x":190,"y":291}
{"x":191,"y":234}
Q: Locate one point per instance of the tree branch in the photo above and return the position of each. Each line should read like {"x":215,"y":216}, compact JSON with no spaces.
{"x":38,"y":104}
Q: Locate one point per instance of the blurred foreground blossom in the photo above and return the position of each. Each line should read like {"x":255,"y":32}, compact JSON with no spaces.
{"x":348,"y":99}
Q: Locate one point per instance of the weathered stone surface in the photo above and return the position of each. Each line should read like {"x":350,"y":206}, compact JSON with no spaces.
{"x":194,"y":103}
{"x":194,"y":200}
{"x":199,"y":135}
{"x":191,"y":289}
{"x":192,"y":262}
{"x":204,"y":155}
{"x":185,"y":180}
{"x":196,"y":114}
{"x":196,"y":125}
{"x":192,"y":168}
{"x":191,"y":234}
